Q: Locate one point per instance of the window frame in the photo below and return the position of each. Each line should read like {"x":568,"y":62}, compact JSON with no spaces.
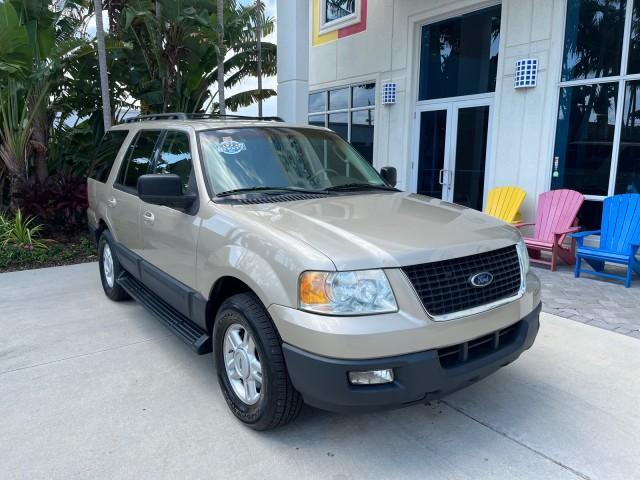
{"x":117,"y":182}
{"x":123,"y":145}
{"x":158,"y":148}
{"x":349,"y":110}
{"x":620,"y":79}
{"x":333,"y":25}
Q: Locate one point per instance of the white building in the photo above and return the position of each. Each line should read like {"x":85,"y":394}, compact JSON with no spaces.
{"x":459,"y":125}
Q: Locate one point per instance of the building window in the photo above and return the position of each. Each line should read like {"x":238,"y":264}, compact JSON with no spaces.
{"x":597,"y":146}
{"x":459,"y":56}
{"x":336,"y":14}
{"x":348,"y":111}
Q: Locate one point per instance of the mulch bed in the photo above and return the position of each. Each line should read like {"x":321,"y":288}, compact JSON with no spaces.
{"x":65,"y":248}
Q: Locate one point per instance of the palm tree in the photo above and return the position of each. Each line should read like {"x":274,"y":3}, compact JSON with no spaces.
{"x":221,"y":100}
{"x":102,"y":63}
{"x":259,"y":52}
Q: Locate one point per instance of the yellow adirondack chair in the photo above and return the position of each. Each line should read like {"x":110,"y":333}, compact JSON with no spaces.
{"x":505,"y":202}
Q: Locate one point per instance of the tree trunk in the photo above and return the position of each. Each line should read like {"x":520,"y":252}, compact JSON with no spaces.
{"x":259,"y":51}
{"x":221,"y":100}
{"x":39,"y":143}
{"x":102,"y":63}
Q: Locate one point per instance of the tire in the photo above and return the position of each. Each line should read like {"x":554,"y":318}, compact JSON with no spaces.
{"x":278,"y":402}
{"x":109,"y":279}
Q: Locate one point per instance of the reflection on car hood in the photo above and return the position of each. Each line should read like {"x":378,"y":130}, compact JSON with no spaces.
{"x":383,"y":229}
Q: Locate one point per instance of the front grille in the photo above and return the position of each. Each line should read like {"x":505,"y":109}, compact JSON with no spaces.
{"x":445,"y":287}
{"x":466,"y":352}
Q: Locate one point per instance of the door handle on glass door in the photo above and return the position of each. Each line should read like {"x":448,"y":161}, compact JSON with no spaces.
{"x":148,"y":217}
{"x":111,"y":202}
{"x":441,"y":177}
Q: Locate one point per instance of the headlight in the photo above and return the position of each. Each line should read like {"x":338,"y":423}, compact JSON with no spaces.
{"x":524,"y":256}
{"x":346,"y":293}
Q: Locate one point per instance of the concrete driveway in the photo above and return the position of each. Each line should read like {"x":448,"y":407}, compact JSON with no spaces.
{"x":94,"y":389}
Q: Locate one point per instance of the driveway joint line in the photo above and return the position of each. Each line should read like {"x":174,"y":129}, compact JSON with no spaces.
{"x":515,"y":440}
{"x":108,"y":349}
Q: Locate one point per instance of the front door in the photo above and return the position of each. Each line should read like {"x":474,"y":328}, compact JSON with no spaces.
{"x":451,"y":151}
{"x":169,"y":235}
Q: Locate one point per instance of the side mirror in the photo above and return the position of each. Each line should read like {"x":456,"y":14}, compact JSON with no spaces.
{"x":389,"y":175}
{"x":164,"y":189}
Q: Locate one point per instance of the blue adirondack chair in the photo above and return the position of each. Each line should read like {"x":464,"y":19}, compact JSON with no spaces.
{"x":619,"y":238}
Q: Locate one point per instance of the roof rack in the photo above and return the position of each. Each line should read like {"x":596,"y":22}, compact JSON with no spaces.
{"x":196,"y":116}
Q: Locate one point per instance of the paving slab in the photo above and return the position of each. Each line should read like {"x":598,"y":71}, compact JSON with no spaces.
{"x":95,"y":389}
{"x":600,"y":302}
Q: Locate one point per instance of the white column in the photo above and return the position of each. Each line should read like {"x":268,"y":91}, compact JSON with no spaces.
{"x":293,"y":60}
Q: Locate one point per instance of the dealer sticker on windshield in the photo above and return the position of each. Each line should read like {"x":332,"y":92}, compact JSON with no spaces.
{"x":229,"y":146}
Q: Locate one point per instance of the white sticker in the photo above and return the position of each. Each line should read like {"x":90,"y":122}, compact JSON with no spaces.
{"x":229,"y":146}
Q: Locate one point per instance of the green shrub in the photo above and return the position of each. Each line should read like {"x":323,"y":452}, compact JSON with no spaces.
{"x":21,"y":233}
{"x":57,"y":254}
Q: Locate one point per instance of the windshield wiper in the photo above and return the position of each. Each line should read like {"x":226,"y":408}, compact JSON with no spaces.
{"x":360,"y":186}
{"x":270,"y":190}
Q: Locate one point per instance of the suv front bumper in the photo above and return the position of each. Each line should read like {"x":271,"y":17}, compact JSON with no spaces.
{"x":418,"y":377}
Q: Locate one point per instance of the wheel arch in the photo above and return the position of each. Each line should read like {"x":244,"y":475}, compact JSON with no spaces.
{"x":224,"y":287}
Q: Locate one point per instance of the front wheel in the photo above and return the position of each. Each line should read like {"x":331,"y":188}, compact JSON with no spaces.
{"x":250,"y":365}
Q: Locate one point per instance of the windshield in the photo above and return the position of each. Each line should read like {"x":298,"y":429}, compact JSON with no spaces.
{"x":280,"y":157}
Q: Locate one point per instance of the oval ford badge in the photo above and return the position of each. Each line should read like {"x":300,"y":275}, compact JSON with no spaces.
{"x":481,"y":279}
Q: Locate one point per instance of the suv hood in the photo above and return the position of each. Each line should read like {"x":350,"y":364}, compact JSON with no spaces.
{"x":384,"y":230}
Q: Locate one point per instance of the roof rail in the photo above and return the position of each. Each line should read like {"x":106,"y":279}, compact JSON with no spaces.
{"x":197,"y":116}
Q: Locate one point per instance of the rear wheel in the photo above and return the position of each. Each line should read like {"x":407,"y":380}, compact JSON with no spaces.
{"x":110,"y":268}
{"x":250,"y":365}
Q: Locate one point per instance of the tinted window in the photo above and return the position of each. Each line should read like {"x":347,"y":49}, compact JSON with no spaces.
{"x":175,"y":157}
{"x":628,"y":176}
{"x":107,"y":153}
{"x":362,"y":133}
{"x":593,"y":38}
{"x":460,"y":56}
{"x":634,"y":45}
{"x":584,"y":138}
{"x":339,"y":123}
{"x":316,"y":120}
{"x":339,"y":99}
{"x":363,"y":95}
{"x":317,"y":102}
{"x":139,"y":158}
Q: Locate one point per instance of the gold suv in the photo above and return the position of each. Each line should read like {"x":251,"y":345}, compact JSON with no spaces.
{"x":305,"y":271}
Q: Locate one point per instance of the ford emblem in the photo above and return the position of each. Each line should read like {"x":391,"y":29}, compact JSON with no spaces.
{"x":481,"y":279}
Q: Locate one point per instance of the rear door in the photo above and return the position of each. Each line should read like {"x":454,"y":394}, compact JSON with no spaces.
{"x":123,"y":204}
{"x":169,"y":235}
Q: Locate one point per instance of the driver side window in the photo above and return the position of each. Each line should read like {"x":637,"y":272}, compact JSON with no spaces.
{"x":175,"y":157}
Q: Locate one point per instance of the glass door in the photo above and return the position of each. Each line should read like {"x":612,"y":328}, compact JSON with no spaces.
{"x":432,"y":153}
{"x":451,"y":148}
{"x":470,"y":157}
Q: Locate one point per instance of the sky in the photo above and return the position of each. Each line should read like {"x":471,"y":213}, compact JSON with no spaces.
{"x":269,"y":107}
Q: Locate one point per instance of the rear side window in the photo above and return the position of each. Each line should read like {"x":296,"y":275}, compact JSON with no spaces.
{"x":139,"y":158}
{"x":107,"y":153}
{"x":175,"y":158}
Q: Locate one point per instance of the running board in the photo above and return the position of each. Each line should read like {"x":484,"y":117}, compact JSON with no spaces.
{"x":192,"y":334}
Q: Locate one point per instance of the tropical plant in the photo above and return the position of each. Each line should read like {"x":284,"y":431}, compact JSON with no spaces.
{"x":21,"y":233}
{"x":174,"y":64}
{"x":60,"y":201}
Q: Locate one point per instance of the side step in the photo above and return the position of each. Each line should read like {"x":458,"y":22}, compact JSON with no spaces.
{"x":192,"y":334}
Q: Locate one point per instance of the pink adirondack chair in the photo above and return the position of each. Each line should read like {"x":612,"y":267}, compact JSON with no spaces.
{"x":555,"y":219}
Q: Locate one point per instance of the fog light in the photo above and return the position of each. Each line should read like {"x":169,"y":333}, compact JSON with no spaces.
{"x":373,"y":377}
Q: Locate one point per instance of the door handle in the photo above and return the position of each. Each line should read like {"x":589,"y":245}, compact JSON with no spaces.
{"x":441,"y":177}
{"x":148,"y":217}
{"x":111,"y":202}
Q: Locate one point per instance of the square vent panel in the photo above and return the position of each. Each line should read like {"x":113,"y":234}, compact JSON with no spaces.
{"x":389,"y":93}
{"x":526,"y":73}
